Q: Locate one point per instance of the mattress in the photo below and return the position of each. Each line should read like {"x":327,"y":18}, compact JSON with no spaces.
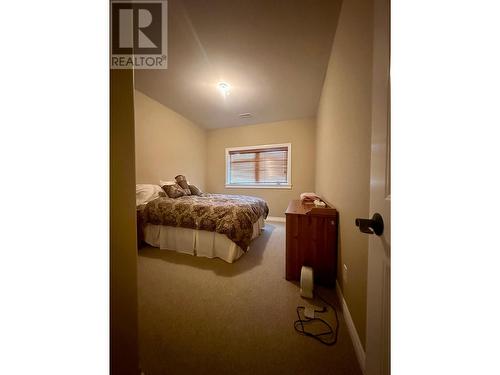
{"x":197,"y":242}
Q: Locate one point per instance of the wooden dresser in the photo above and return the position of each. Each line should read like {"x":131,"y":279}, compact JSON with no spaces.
{"x":311,"y":240}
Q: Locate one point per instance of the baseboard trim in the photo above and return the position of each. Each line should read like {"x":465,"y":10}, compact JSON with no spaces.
{"x":358,"y":347}
{"x":277,"y":219}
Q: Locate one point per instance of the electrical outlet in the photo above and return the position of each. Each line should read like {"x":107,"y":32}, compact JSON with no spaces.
{"x":344,"y":274}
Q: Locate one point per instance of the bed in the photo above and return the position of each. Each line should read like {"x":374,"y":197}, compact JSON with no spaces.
{"x":207,"y":225}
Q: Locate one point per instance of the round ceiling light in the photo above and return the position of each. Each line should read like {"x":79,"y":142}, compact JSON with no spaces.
{"x":224,"y":88}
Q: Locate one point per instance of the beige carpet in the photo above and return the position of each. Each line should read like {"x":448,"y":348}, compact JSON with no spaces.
{"x":206,"y":316}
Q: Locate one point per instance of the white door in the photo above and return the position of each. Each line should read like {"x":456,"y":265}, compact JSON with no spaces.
{"x":379,"y":251}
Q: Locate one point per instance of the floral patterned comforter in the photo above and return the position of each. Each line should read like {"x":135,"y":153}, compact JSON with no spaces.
{"x":231,"y":215}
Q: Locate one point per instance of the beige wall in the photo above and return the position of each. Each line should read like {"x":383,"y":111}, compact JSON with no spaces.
{"x":167,"y":144}
{"x":343,"y":146}
{"x":300,"y":133}
{"x":123,"y":238}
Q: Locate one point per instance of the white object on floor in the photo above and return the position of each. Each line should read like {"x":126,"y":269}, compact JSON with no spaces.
{"x":196,"y":242}
{"x":306,"y":282}
{"x":309,"y":312}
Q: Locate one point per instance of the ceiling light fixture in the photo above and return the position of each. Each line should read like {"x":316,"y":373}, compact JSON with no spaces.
{"x":224,"y":88}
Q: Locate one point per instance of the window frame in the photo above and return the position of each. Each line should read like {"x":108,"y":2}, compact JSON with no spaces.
{"x":288,"y":185}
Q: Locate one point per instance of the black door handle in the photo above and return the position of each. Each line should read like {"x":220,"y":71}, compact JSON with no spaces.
{"x":371,"y":226}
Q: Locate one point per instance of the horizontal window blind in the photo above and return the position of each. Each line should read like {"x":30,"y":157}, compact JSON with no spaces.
{"x":266,"y":166}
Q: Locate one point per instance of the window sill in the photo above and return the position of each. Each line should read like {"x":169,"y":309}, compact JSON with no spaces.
{"x":258,"y":186}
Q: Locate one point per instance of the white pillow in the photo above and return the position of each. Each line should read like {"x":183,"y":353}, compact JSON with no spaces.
{"x":163,"y":183}
{"x":145,"y":193}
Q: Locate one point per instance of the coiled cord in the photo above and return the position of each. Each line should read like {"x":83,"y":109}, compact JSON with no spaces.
{"x":329,"y":336}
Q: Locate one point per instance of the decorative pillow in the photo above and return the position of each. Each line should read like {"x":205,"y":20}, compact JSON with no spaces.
{"x":181,"y":180}
{"x":163,"y":183}
{"x":195,"y":190}
{"x":145,"y":193}
{"x":174,"y":191}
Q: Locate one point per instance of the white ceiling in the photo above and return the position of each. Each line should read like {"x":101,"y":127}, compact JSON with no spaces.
{"x":273,"y":53}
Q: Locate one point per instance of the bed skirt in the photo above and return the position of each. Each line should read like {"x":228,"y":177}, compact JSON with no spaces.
{"x":196,"y":242}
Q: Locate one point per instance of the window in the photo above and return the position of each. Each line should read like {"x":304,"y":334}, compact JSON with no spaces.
{"x":267,"y":166}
